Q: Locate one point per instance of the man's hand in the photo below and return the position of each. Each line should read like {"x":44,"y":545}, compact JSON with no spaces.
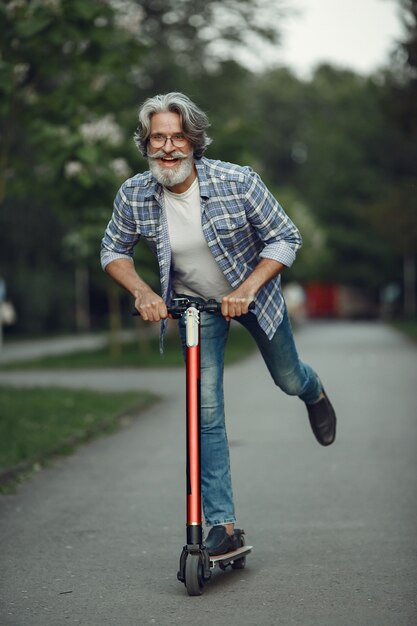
{"x":151,"y":306}
{"x":236,"y":303}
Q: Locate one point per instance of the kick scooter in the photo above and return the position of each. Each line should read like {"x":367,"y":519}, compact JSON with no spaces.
{"x":195,"y":562}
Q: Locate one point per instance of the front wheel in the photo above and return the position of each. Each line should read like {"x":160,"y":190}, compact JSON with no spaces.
{"x":194,"y":578}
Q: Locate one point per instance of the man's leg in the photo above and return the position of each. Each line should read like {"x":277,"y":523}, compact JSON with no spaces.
{"x":293,"y":376}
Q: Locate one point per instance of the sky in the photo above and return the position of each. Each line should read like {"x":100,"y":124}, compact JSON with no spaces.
{"x":355,"y":34}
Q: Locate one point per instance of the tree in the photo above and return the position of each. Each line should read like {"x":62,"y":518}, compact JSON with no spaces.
{"x":64,"y":88}
{"x":394,"y":216}
{"x":72,"y":76}
{"x":326,"y":139}
{"x":346,"y":147}
{"x":277,"y":108}
{"x":194,"y":36}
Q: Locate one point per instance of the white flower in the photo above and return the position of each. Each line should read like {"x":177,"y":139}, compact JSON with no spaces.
{"x":128,"y":15}
{"x":20,"y":70}
{"x":72,"y":169}
{"x":104,"y":129}
{"x":51,"y":4}
{"x":120,"y":167}
{"x":13,"y":5}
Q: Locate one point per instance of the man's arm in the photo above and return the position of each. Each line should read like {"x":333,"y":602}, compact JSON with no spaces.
{"x":150,"y":306}
{"x":280,"y":236}
{"x":281,"y":240}
{"x":237,"y":302}
{"x":119,"y":240}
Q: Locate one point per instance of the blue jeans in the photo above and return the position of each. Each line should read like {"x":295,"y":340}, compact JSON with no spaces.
{"x":289,"y":373}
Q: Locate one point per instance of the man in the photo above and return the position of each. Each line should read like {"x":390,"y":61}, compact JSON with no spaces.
{"x":217,"y":233}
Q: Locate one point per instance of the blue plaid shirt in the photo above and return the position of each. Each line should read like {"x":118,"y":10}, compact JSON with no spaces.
{"x":241,"y":220}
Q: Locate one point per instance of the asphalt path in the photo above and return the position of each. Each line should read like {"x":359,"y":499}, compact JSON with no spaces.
{"x":17,"y":350}
{"x":95,"y":538}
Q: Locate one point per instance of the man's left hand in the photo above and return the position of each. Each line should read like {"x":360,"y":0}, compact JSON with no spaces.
{"x":236,"y":303}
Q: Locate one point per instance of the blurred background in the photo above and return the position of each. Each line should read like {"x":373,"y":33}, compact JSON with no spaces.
{"x":320,"y":98}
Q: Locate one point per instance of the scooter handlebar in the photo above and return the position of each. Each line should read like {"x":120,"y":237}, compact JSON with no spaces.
{"x":180,"y":305}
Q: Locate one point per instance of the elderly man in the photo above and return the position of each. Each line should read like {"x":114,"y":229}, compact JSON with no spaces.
{"x":218,"y":233}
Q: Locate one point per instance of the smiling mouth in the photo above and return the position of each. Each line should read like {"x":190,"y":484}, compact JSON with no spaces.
{"x":169,"y":160}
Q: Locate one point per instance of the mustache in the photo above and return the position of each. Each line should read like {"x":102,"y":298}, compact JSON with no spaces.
{"x":173,"y":155}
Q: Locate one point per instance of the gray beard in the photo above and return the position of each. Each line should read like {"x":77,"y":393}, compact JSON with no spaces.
{"x":174,"y":176}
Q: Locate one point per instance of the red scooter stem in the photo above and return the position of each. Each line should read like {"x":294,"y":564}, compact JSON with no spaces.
{"x":194,"y":517}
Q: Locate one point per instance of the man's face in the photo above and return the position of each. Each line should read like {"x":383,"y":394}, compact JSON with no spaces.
{"x":172,"y":166}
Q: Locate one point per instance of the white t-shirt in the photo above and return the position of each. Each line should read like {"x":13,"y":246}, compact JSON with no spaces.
{"x":195,"y":271}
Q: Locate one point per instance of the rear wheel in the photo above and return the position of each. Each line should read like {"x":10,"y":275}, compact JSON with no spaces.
{"x":240,"y":563}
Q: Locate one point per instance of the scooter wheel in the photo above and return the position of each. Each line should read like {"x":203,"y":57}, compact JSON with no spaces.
{"x":194,"y":579}
{"x":240,"y":563}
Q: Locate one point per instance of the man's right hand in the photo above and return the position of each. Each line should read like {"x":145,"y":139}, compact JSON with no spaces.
{"x":151,"y":307}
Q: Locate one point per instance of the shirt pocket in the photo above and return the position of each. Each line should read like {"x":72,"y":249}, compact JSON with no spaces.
{"x":229,"y":223}
{"x":233,"y":230}
{"x":149,"y":232}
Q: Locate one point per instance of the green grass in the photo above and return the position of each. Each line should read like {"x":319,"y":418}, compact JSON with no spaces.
{"x":408,"y":327}
{"x":133,"y":354}
{"x":39,"y":423}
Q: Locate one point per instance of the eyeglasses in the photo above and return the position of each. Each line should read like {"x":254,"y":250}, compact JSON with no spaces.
{"x":157,"y":140}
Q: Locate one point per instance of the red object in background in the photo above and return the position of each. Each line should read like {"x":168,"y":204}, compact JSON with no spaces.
{"x":322,"y":300}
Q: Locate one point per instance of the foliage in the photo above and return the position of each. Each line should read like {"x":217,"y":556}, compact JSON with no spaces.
{"x":61,"y":83}
{"x":315,"y":137}
{"x":64,"y":84}
{"x":342,"y":172}
{"x":190,"y":38}
{"x":407,"y":327}
{"x":395,"y":215}
{"x":339,"y":150}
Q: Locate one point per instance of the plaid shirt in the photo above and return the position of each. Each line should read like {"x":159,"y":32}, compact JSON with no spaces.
{"x":241,"y":220}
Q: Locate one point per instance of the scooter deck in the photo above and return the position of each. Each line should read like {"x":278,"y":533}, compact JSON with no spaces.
{"x":227,"y":558}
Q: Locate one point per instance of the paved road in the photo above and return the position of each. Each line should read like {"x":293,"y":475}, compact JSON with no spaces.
{"x":95,"y":539}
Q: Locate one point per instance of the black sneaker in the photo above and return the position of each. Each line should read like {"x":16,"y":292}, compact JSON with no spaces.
{"x":220,"y":542}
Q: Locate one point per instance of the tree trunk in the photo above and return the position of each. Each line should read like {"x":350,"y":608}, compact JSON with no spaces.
{"x":409,"y":285}
{"x":82,"y":299}
{"x":115,"y":319}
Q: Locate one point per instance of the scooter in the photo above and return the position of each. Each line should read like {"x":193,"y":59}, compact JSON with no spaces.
{"x":195,"y":562}
{"x":196,"y":565}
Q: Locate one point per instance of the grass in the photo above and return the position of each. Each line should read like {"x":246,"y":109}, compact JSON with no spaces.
{"x":37,"y":424}
{"x":135,"y":354}
{"x":408,"y":327}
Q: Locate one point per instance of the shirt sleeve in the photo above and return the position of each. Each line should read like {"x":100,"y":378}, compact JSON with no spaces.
{"x":121,"y":234}
{"x":281,"y":237}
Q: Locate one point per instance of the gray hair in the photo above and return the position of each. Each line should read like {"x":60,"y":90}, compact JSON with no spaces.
{"x":194,"y":121}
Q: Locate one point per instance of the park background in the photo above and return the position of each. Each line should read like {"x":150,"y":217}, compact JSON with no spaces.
{"x":337,"y":147}
{"x":335,"y":140}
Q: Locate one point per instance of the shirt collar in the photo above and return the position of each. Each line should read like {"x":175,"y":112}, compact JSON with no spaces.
{"x":202,"y":178}
{"x":153,"y":188}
